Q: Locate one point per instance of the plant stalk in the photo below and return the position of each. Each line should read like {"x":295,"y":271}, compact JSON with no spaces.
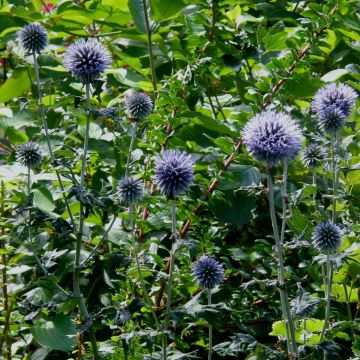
{"x":284,"y":202}
{"x":283,"y":291}
{"x":329,"y":274}
{"x":171,"y":271}
{"x":132,"y":141}
{"x":77,"y":267}
{"x":210,"y":329}
{"x":335,"y":177}
{"x":314,"y":184}
{"x":46,"y":129}
{"x":149,"y":40}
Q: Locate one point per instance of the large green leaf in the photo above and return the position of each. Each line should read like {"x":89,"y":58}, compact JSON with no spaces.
{"x":43,"y":200}
{"x":58,"y":333}
{"x":136,"y":8}
{"x":165,"y":9}
{"x":16,"y":85}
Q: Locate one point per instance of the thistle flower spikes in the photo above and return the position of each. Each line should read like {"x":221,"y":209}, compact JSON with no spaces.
{"x":138,"y":106}
{"x":313,"y":155}
{"x":130,"y":190}
{"x":327,"y":237}
{"x":33,"y":38}
{"x":29,"y":154}
{"x":208,"y":272}
{"x":332,"y":105}
{"x":87,"y":59}
{"x":272,"y":137}
{"x":174,"y":173}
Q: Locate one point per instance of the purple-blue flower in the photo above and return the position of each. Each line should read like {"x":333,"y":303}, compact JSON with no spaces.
{"x":272,"y":137}
{"x":29,"y":154}
{"x":174,"y":172}
{"x":208,"y":272}
{"x":313,"y":155}
{"x":87,"y":59}
{"x":332,"y":105}
{"x":138,"y":106}
{"x":327,"y":237}
{"x":33,"y":38}
{"x":130,"y":190}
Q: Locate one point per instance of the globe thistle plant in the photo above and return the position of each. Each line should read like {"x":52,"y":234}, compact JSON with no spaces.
{"x":313,"y":155}
{"x":174,"y":172}
{"x":333,"y":104}
{"x":130,"y":190}
{"x":272,"y":137}
{"x":33,"y":38}
{"x":327,"y":237}
{"x":87,"y":59}
{"x":138,"y":106}
{"x":29,"y":154}
{"x":208,"y":272}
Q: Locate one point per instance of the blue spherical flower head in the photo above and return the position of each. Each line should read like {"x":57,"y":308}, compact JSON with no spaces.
{"x":208,"y":272}
{"x":138,"y":106}
{"x":313,"y":155}
{"x":272,"y":137}
{"x":174,"y":172}
{"x":327,"y":237}
{"x":29,"y":154}
{"x":86,"y":60}
{"x":33,"y":38}
{"x":333,"y":104}
{"x":130,"y":190}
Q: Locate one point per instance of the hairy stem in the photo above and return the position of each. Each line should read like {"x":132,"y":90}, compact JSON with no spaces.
{"x":77,"y":267}
{"x":149,"y":40}
{"x":329,"y":274}
{"x":132,"y":141}
{"x":46,"y":129}
{"x":283,"y":291}
{"x":210,"y":329}
{"x":171,"y":270}
{"x":284,"y":202}
{"x":142,"y":282}
{"x":335,"y":177}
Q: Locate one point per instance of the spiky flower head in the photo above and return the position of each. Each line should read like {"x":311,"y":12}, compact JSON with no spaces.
{"x":313,"y":155}
{"x":33,"y":38}
{"x":272,"y":137}
{"x":138,"y":106}
{"x":327,"y":237}
{"x":29,"y":154}
{"x":174,"y":172}
{"x":130,"y":190}
{"x":332,"y":105}
{"x":208,"y":272}
{"x":87,"y":59}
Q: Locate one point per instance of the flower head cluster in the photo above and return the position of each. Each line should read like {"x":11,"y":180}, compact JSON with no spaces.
{"x":327,"y":237}
{"x":313,"y":155}
{"x":33,"y":38}
{"x":332,"y":104}
{"x":272,"y":137}
{"x":29,"y":154}
{"x":138,"y":106}
{"x":87,"y":59}
{"x":130,"y":190}
{"x":174,"y":172}
{"x":208,"y":272}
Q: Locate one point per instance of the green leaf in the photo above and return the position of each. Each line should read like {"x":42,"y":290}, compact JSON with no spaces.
{"x":58,"y":333}
{"x":16,"y":136}
{"x":16,"y":85}
{"x":334,"y":75}
{"x":136,"y":8}
{"x":43,"y":200}
{"x":165,"y":9}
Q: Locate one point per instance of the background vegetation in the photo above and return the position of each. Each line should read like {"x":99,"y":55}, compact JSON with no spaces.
{"x":210,"y":66}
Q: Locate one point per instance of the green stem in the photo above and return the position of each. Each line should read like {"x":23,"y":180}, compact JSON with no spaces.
{"x":335,"y":177}
{"x":348,"y":309}
{"x":283,"y":291}
{"x":149,"y":40}
{"x":284,"y":202}
{"x":132,"y":141}
{"x":314,"y":184}
{"x":77,"y":267}
{"x":305,"y":331}
{"x":142,"y":282}
{"x":171,"y":271}
{"x":210,"y":329}
{"x":329,"y":274}
{"x":52,"y":156}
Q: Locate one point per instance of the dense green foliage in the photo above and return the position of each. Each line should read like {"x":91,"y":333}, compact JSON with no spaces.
{"x":216,"y":63}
